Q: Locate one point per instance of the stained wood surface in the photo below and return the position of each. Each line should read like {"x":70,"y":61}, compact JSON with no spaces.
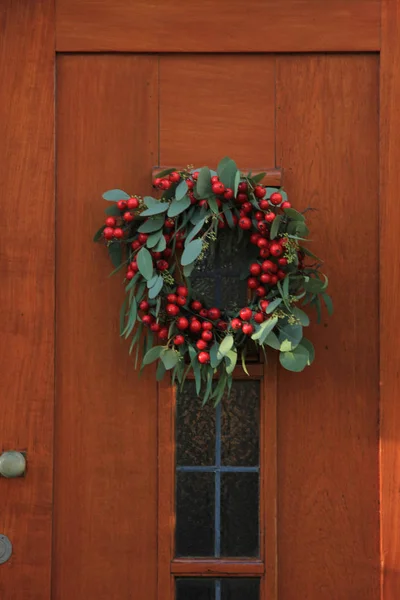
{"x":226,"y":107}
{"x":217,"y":26}
{"x":105,"y":543}
{"x":389,"y":299}
{"x":27,"y":291}
{"x":328,"y":500}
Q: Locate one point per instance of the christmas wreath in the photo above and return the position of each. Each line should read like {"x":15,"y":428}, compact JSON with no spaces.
{"x":161,"y":242}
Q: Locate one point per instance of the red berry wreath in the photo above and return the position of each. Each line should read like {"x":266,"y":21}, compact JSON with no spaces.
{"x":161,"y":242}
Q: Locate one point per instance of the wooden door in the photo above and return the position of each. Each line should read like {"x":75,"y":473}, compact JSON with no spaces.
{"x":286,"y":84}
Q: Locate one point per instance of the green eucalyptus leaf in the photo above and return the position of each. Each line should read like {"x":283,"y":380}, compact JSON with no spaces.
{"x":227,"y":170}
{"x":154,"y":238}
{"x":197,"y":373}
{"x":203,"y":184}
{"x":181,"y":190}
{"x":314,"y":285}
{"x":176,"y":208}
{"x":286,"y":346}
{"x":212,"y":203}
{"x":159,"y":208}
{"x":166,"y":172}
{"x":145,"y":263}
{"x":156,"y":288}
{"x":215,"y":358}
{"x":259,"y":177}
{"x":294,"y":214}
{"x":231,"y":360}
{"x":115,"y":253}
{"x":153,"y":354}
{"x":161,"y":245}
{"x":225,"y":345}
{"x":150,"y":201}
{"x":264,"y":329}
{"x":236,"y":182}
{"x":301,"y":316}
{"x":275,"y":226}
{"x":191,"y":252}
{"x":228,"y":215}
{"x":208,"y":389}
{"x":293,"y":333}
{"x":99,"y":234}
{"x":170,"y":358}
{"x":161,"y":370}
{"x":295,"y":360}
{"x":122,"y":316}
{"x":273,"y":305}
{"x":310,"y":349}
{"x":272,"y":341}
{"x":188,"y":269}
{"x":193,"y":232}
{"x":131,"y":319}
{"x":113,"y":211}
{"x":328,"y":303}
{"x":115,"y":195}
{"x":152,"y":281}
{"x":152,"y":225}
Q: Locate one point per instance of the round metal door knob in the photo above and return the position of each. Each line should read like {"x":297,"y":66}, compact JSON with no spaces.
{"x":5,"y":549}
{"x":12,"y":464}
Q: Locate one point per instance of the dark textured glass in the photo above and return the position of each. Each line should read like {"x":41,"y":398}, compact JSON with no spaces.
{"x":195,"y":499}
{"x":195,"y":429}
{"x":195,"y":589}
{"x":240,"y":589}
{"x":239,"y":514}
{"x":240,"y":425}
{"x":204,"y":290}
{"x":233,"y":293}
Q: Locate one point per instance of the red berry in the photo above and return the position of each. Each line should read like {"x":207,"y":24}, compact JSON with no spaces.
{"x":118,"y":233}
{"x":121,"y":204}
{"x":204,"y":313}
{"x":267,"y":265}
{"x":241,"y":198}
{"x":135,"y":245}
{"x":147,"y":319}
{"x":162,"y":265}
{"x":172,"y":298}
{"x":165,"y":184}
{"x":207,"y":326}
{"x":167,"y":253}
{"x":195,"y":326}
{"x":276,"y":249}
{"x":264,"y":252}
{"x":128,"y":217}
{"x":247,"y":207}
{"x":246,"y":314}
{"x":255,"y":269}
{"x":130,"y":274}
{"x":223,"y":325}
{"x":259,"y":317}
{"x":228,"y":194}
{"x":132,"y":203}
{"x":276,"y":198}
{"x":286,"y":205}
{"x":281,"y":274}
{"x":167,"y":238}
{"x":270,"y":216}
{"x":264,"y":305}
{"x":235,"y":220}
{"x":242,"y":187}
{"x":282,"y":262}
{"x":218,"y":187}
{"x":252,"y":283}
{"x":262,"y":243}
{"x":264,"y":205}
{"x":254,"y":238}
{"x":155,"y":327}
{"x":262,"y":226}
{"x":156,"y":181}
{"x":134,"y":266}
{"x":274,"y":280}
{"x":172,"y":310}
{"x":144,"y":305}
{"x":207,"y":336}
{"x":274,"y":268}
{"x":190,"y":184}
{"x":182,"y":290}
{"x":174,"y":177}
{"x":195,"y":175}
{"x":259,"y":191}
{"x":214,"y":178}
{"x":163,"y":333}
{"x":260,"y":291}
{"x":169,"y":223}
{"x":108,"y":233}
{"x":259,"y":215}
{"x":181,"y":300}
{"x":201,"y":345}
{"x":203,"y":203}
{"x":182,"y":323}
{"x":236,"y":324}
{"x":156,"y":255}
{"x":178,"y":340}
{"x":196,"y":305}
{"x":247,"y":328}
{"x":214,"y":314}
{"x":221,"y":223}
{"x":265,"y":278}
{"x":111,"y":222}
{"x":142,"y":238}
{"x":245,"y":223}
{"x":203,"y":357}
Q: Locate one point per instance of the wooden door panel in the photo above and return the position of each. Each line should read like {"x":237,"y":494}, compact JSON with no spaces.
{"x":27,"y":291}
{"x":218,"y":25}
{"x":213,"y":106}
{"x":327,"y":142}
{"x":106,"y":418}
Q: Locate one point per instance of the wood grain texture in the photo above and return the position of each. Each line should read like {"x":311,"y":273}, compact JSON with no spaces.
{"x":217,"y":26}
{"x":389,"y":299}
{"x":27,"y":290}
{"x":106,"y":418}
{"x":328,"y":507}
{"x":215,"y":116}
{"x":273,"y":177}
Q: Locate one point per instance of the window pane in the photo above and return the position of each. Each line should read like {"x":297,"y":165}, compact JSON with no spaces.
{"x":240,"y":589}
{"x":239,"y":514}
{"x":195,"y":429}
{"x":195,"y":501}
{"x":240,"y":425}
{"x":195,"y":589}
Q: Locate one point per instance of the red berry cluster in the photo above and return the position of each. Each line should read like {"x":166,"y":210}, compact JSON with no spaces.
{"x":113,"y":225}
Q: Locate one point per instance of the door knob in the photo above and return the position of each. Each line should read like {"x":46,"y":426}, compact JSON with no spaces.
{"x":12,"y":464}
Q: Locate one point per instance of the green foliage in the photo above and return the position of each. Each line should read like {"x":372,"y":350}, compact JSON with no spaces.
{"x":115,"y":195}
